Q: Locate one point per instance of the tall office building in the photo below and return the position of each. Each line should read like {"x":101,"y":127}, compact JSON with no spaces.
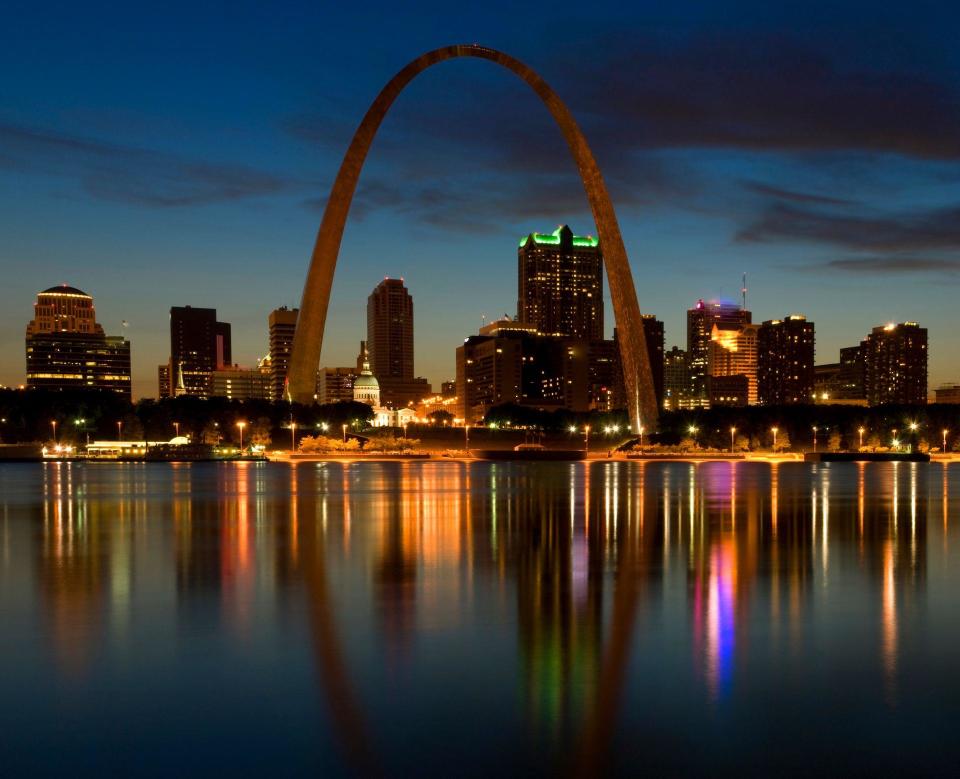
{"x":653,"y":335}
{"x":896,"y":364}
{"x":236,"y":383}
{"x":390,"y":345}
{"x":282,"y":324}
{"x":560,"y":284}
{"x":676,"y":380}
{"x":785,"y":361}
{"x":199,"y":344}
{"x":67,"y":349}
{"x":700,"y":321}
{"x":732,"y":364}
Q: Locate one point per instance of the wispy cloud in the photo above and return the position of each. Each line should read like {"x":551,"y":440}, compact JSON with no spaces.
{"x":128,"y":174}
{"x":936,"y":229}
{"x":893,"y":265}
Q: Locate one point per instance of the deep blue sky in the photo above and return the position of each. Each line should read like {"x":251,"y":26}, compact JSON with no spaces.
{"x":180,"y":153}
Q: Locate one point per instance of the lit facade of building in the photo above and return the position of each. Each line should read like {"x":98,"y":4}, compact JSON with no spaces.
{"x":199,"y":345}
{"x":700,"y":321}
{"x":238,"y":383}
{"x":66,"y":348}
{"x":676,"y":381}
{"x":896,"y":364}
{"x":335,"y":385}
{"x":785,"y":361}
{"x":732,"y":352}
{"x":560,"y":284}
{"x":282,"y":325}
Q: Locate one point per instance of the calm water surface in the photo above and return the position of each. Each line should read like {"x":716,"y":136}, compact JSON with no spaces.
{"x":470,"y":619}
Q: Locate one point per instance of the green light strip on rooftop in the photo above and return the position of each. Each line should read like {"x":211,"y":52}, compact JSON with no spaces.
{"x":553,"y":239}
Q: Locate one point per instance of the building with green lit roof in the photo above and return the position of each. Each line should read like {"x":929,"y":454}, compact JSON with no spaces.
{"x":560,"y":284}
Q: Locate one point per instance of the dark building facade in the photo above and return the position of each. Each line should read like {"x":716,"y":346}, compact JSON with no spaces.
{"x":676,"y":380}
{"x":390,"y":345}
{"x":509,"y":362}
{"x":785,"y":361}
{"x":653,"y":334}
{"x":199,"y":345}
{"x":282,"y":324}
{"x":700,"y":321}
{"x":895,"y":363}
{"x":560,"y":284}
{"x":67,"y":349}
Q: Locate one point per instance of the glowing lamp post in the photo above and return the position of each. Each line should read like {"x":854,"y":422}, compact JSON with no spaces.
{"x":733,"y":433}
{"x":692,"y":430}
{"x":586,"y":439}
{"x":466,"y":437}
{"x":814,"y":438}
{"x":293,"y":435}
{"x":895,"y":442}
{"x":176,"y":428}
{"x":344,"y":433}
{"x":119,"y":429}
{"x":53,"y":424}
{"x":945,"y":431}
{"x":240,"y":426}
{"x":774,"y":430}
{"x":861,"y":431}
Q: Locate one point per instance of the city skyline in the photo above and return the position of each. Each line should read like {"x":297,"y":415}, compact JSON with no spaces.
{"x":790,"y":197}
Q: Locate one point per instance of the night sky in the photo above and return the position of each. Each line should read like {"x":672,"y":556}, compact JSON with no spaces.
{"x":180,"y":153}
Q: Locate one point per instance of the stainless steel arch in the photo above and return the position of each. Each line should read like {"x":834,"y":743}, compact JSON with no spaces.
{"x":308,"y":340}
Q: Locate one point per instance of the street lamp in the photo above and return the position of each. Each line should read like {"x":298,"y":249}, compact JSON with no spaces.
{"x":293,"y":435}
{"x":176,"y":428}
{"x":53,"y":424}
{"x":81,"y":425}
{"x":814,"y":438}
{"x":945,"y":431}
{"x":241,"y":425}
{"x":344,"y":433}
{"x":119,"y":429}
{"x":774,"y":430}
{"x":466,"y":437}
{"x":586,"y":439}
{"x":733,"y":433}
{"x":861,"y":431}
{"x":896,"y":441}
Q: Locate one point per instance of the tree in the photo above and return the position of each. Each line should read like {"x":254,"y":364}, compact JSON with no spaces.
{"x":440,"y":417}
{"x":741,"y":444}
{"x":260,"y":432}
{"x":211,"y":433}
{"x":833,"y":442}
{"x":780,"y":442}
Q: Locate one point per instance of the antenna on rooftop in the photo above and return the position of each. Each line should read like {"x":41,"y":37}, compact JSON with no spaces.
{"x":743,"y":292}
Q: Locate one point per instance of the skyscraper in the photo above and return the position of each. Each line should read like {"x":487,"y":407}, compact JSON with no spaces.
{"x":676,"y":380}
{"x":560,"y":284}
{"x":653,"y":335}
{"x":199,"y":344}
{"x":896,"y":364}
{"x":67,"y":349}
{"x":700,"y":321}
{"x":732,"y":364}
{"x":785,"y":361}
{"x":282,"y":324}
{"x":390,"y":344}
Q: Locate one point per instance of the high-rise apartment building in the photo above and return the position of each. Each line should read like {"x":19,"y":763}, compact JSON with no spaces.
{"x":390,"y":345}
{"x":199,"y":344}
{"x":560,"y":284}
{"x":67,"y":349}
{"x":282,"y":324}
{"x":238,"y":383}
{"x":700,"y":321}
{"x":896,"y":364}
{"x":785,"y":361}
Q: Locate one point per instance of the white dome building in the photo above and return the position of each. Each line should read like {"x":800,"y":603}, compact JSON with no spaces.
{"x":366,"y":388}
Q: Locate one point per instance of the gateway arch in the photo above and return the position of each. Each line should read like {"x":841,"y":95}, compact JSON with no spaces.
{"x":308,"y":340}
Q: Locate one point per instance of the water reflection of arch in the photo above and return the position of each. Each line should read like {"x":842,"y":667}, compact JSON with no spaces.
{"x":531,"y":531}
